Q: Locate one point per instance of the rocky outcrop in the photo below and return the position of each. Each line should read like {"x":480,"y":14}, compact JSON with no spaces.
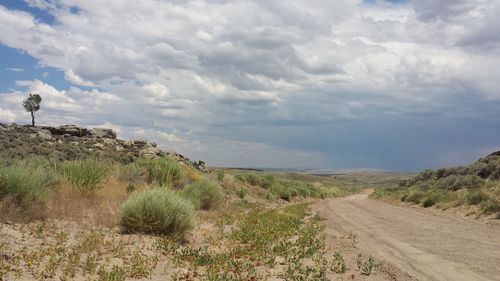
{"x":45,"y":135}
{"x":68,"y":130}
{"x":72,"y":142}
{"x":74,"y":131}
{"x":103,"y":133}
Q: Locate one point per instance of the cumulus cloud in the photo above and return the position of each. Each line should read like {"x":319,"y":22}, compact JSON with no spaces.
{"x":429,"y":10}
{"x":182,"y":70}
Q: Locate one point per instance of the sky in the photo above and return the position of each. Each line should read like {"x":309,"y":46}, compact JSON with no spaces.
{"x":344,"y":84}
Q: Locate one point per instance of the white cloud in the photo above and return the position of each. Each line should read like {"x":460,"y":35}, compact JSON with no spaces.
{"x":156,"y":90}
{"x":184,"y":67}
{"x":14,"y":69}
{"x":7,"y":115}
{"x":75,"y":79}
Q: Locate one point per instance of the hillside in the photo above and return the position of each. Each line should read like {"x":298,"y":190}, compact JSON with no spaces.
{"x":474,"y":188}
{"x":70,"y":142}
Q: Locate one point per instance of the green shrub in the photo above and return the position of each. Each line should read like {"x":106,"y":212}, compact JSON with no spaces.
{"x":266,"y":181}
{"x":477,"y":197}
{"x":271,"y":196}
{"x":220,"y":175}
{"x":25,"y":183}
{"x":241,"y":193}
{"x":490,"y":207}
{"x":431,"y":199}
{"x":162,"y":171}
{"x":283,"y":193}
{"x":429,"y":202}
{"x":404,"y":197}
{"x":158,"y":211}
{"x":86,"y":174}
{"x":251,"y":179}
{"x":415,"y":197}
{"x":204,"y":194}
{"x":455,"y":182}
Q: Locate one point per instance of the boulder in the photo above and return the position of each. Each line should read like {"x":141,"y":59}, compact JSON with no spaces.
{"x":44,"y":135}
{"x":98,"y":145}
{"x":35,"y":128}
{"x":149,"y":152}
{"x":139,"y":142}
{"x":128,"y":143}
{"x":200,"y":165}
{"x":103,"y":133}
{"x":71,"y":130}
{"x":109,"y":142}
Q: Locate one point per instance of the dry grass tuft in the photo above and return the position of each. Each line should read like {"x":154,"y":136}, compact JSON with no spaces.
{"x":192,"y":174}
{"x":101,"y":206}
{"x":13,"y":212}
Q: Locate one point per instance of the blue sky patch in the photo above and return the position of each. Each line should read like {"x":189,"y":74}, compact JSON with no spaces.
{"x":40,"y":15}
{"x":17,"y":65}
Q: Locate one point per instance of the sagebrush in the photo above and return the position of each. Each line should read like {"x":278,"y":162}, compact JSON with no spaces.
{"x":158,"y":211}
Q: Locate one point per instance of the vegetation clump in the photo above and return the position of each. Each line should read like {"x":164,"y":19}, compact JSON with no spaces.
{"x":25,"y":183}
{"x":476,"y":197}
{"x":204,"y":194}
{"x":158,"y":211}
{"x":475,"y":185}
{"x":86,"y":174}
{"x":162,"y":171}
{"x":288,"y":189}
{"x":264,"y":181}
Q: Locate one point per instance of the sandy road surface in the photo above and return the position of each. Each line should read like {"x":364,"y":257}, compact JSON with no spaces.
{"x":427,"y":245}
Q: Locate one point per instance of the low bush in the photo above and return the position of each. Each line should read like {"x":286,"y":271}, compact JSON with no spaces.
{"x":455,"y":182}
{"x":271,"y":196}
{"x":490,"y":207}
{"x":434,"y":197}
{"x":251,"y":179}
{"x":288,"y":189}
{"x":283,"y":192}
{"x":158,"y":211}
{"x":162,"y":171}
{"x":476,"y":197}
{"x":86,"y":174}
{"x":241,"y":193}
{"x":429,"y":202}
{"x":220,"y":175}
{"x":24,"y":183}
{"x":266,"y":181}
{"x":415,"y":197}
{"x":204,"y":194}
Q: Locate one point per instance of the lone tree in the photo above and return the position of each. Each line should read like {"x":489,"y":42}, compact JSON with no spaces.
{"x":32,"y":104}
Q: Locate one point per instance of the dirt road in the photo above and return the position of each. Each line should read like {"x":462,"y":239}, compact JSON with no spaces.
{"x":425,"y":244}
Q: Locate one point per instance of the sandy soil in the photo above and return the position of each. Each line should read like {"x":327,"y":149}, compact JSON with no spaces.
{"x":425,"y":244}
